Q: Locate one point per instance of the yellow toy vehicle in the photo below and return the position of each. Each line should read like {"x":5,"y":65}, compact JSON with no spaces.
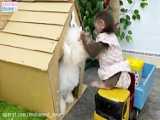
{"x":112,"y":104}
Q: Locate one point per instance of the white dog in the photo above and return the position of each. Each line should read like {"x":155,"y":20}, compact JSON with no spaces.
{"x":74,"y":56}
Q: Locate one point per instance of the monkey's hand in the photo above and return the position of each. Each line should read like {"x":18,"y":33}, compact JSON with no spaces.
{"x":83,"y":35}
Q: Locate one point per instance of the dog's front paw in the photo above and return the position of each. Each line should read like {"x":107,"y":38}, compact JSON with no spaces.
{"x":62,"y":106}
{"x":70,"y":99}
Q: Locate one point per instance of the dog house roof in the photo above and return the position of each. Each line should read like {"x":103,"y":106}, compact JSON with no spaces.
{"x":32,"y":33}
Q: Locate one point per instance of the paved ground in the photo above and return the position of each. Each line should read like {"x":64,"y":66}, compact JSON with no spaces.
{"x":84,"y":108}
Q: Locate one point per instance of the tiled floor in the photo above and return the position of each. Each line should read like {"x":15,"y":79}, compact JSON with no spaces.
{"x":85,"y":107}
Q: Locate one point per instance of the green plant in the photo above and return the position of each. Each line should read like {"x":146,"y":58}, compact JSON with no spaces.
{"x":88,"y":10}
{"x":128,"y":15}
{"x":13,"y":112}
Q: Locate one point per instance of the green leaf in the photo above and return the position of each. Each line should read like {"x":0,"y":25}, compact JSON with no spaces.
{"x":129,"y":23}
{"x":125,"y":26}
{"x":85,"y":21}
{"x":122,"y":35}
{"x":121,"y":2}
{"x":128,"y":17}
{"x":94,"y":3}
{"x":124,"y":10}
{"x":143,"y":4}
{"x":136,"y":11}
{"x":118,"y":33}
{"x":84,"y":18}
{"x":122,"y":20}
{"x":84,"y":2}
{"x":134,"y":17}
{"x":87,"y":13}
{"x":130,"y":1}
{"x":100,"y":5}
{"x":89,"y":22}
{"x":89,"y":6}
{"x":124,"y":23}
{"x":130,"y":32}
{"x":129,"y":38}
{"x":87,"y":29}
{"x":138,"y":17}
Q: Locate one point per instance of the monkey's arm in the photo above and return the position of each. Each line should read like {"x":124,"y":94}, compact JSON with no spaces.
{"x":94,"y":48}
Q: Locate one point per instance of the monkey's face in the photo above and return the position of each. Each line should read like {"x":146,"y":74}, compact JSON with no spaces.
{"x":99,"y":25}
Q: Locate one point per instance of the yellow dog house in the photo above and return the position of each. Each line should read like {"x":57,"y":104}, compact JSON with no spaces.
{"x":31,"y":45}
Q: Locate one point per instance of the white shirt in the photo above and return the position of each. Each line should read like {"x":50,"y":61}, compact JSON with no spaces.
{"x":111,"y":60}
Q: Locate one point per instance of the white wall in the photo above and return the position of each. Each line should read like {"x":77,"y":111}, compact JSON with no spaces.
{"x":146,"y":32}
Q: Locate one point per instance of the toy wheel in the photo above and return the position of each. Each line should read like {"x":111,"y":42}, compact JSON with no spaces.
{"x":136,"y":113}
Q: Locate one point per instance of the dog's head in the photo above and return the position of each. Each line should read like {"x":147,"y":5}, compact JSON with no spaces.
{"x":74,"y":51}
{"x":73,"y":47}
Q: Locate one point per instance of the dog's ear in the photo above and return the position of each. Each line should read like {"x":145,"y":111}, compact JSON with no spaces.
{"x":73,"y":20}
